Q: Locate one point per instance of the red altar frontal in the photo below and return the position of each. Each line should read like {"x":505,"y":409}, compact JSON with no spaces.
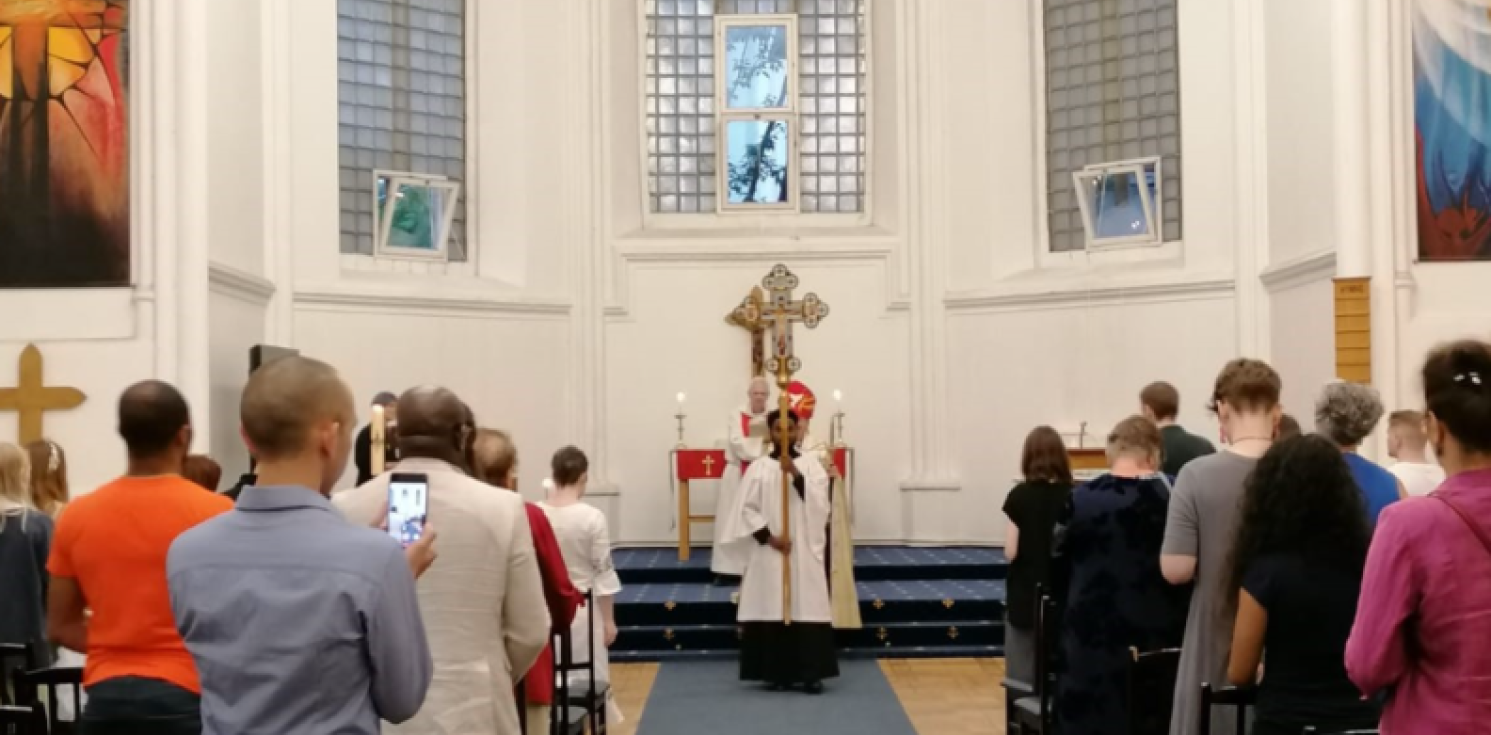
{"x":709,"y":464}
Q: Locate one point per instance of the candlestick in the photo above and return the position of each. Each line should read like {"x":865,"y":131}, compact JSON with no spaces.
{"x":836,"y":426}
{"x":378,"y":440}
{"x":680,"y":417}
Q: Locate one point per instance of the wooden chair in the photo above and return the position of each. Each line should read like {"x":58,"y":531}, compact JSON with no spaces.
{"x":14,"y":658}
{"x":564,"y":719}
{"x":1152,"y":690}
{"x":27,"y":720}
{"x":1241,"y":698}
{"x":1032,"y":714}
{"x":40,"y":688}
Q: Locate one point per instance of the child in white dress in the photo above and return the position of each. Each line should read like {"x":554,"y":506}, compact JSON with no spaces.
{"x":585,"y":541}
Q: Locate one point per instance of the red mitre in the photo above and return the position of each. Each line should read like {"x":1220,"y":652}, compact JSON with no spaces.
{"x":801,"y":399}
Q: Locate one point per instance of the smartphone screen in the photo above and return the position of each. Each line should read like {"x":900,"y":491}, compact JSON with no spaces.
{"x":408,"y":504}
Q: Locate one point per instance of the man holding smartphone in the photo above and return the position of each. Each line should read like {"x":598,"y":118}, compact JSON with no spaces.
{"x":244,"y":585}
{"x":485,"y":603}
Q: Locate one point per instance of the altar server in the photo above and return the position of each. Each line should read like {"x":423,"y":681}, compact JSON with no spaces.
{"x":771,"y":650}
{"x":747,"y":442}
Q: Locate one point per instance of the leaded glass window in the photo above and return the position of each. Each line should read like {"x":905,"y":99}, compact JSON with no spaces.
{"x":704,"y":156}
{"x":401,"y":105}
{"x":1112,"y":95}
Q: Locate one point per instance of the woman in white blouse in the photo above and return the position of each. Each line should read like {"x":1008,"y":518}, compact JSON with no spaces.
{"x":585,"y":541}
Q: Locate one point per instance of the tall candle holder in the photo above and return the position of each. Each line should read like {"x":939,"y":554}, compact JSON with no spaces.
{"x":837,"y":429}
{"x":680,"y":416}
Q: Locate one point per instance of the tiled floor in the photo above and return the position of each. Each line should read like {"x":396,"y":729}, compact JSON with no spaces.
{"x":941,"y":696}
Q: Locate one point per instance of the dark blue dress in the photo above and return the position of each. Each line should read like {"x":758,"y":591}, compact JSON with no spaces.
{"x":1108,"y":562}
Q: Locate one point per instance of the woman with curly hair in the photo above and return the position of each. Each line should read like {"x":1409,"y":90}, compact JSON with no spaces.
{"x":1346,"y":413}
{"x":1296,"y":573}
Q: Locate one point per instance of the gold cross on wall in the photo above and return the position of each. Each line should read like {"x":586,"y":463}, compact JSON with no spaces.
{"x":31,"y":399}
{"x":708,"y":465}
{"x":782,"y":312}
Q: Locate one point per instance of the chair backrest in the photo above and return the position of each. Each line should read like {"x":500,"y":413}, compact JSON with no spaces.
{"x":1046,"y":631}
{"x":564,"y":664}
{"x":1241,"y":698}
{"x":14,"y":657}
{"x":22,"y":720}
{"x":30,"y":686}
{"x":1152,"y":690}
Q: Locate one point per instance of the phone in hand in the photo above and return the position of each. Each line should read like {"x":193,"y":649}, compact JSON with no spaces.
{"x":408,"y":506}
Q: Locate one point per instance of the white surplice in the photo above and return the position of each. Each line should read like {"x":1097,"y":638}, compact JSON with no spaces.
{"x":842,"y":589}
{"x":761,"y":501}
{"x":746,"y":444}
{"x":585,"y":541}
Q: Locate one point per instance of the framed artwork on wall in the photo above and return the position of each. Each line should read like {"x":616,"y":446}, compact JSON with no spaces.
{"x":64,"y":143}
{"x":1452,"y":129}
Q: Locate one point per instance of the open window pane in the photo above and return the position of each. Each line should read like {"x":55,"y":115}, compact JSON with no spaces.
{"x":1117,"y":204}
{"x":756,"y":69}
{"x":758,"y":162}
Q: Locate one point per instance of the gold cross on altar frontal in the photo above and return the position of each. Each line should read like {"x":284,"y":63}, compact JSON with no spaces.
{"x":709,"y":465}
{"x":32,"y":399}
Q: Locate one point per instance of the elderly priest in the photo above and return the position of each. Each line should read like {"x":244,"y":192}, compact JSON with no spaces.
{"x":772,"y":649}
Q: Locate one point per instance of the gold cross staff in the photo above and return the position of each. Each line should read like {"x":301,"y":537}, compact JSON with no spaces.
{"x":31,"y":398}
{"x":783,"y":311}
{"x":708,"y":466}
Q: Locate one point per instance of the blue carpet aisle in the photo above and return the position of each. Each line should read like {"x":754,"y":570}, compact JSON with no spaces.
{"x":943,"y":602}
{"x":707,"y":697}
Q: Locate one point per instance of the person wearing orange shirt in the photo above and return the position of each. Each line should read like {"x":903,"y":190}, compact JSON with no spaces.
{"x":108,"y":597}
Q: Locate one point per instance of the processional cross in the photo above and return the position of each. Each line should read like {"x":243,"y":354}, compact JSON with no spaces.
{"x":780,"y":313}
{"x":747,"y":316}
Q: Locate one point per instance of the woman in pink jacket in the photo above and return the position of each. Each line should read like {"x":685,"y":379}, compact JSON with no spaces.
{"x":1424,"y":617}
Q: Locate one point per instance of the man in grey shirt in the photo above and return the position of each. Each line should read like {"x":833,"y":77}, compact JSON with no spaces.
{"x":298,"y":621}
{"x":1204,"y":510}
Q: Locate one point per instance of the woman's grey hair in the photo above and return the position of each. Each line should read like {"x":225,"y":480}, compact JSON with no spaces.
{"x":1347,"y":412}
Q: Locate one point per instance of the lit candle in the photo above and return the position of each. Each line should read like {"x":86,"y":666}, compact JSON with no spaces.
{"x":838,"y":398}
{"x":680,"y":401}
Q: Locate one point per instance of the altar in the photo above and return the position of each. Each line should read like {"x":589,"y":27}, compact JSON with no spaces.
{"x":688,"y":465}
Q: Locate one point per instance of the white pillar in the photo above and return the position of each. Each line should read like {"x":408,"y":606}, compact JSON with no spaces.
{"x":930,"y":460}
{"x":279,"y":256}
{"x":190,"y":203}
{"x":1350,"y":115}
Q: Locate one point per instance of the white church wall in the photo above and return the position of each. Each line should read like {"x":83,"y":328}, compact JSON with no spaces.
{"x":237,"y":313}
{"x":510,"y":370}
{"x":1300,"y":133}
{"x":235,"y":187}
{"x":1015,"y":366}
{"x":1303,"y":348}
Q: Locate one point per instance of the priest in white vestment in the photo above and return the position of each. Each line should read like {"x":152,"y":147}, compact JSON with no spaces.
{"x":771,"y":650}
{"x":747,"y":443}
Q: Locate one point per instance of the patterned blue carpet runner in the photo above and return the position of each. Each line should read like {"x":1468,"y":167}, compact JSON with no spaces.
{"x":916,"y":602}
{"x":689,"y":698}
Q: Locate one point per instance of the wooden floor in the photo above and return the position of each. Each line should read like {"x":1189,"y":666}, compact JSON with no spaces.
{"x":941,"y":696}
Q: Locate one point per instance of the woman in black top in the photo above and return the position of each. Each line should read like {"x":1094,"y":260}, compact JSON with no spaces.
{"x":1297,"y":571}
{"x":1032,"y":508}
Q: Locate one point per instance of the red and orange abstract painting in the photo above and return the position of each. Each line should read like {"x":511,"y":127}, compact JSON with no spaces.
{"x":64,"y":143}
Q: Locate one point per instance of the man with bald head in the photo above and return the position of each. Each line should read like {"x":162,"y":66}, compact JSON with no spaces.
{"x":298,"y":620}
{"x":746,"y":443}
{"x":109,"y":555}
{"x":485,"y":602}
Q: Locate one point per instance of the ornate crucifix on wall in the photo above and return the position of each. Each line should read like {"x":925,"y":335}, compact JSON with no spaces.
{"x":780,"y":313}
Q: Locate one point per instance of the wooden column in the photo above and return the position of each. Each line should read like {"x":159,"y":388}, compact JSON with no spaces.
{"x":1353,"y":305}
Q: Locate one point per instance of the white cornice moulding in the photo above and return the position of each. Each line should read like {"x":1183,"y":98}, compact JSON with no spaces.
{"x":1090,"y":292}
{"x":1299,"y":271}
{"x":734,"y":251}
{"x":446,"y":302}
{"x":236,"y":283}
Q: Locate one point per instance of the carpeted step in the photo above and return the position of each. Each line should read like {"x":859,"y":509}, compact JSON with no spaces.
{"x":934,"y":600}
{"x":952,"y":651}
{"x":871,"y":564}
{"x":898,"y":634}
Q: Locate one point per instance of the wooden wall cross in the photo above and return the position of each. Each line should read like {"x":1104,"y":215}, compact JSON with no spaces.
{"x":747,"y":316}
{"x":31,"y":398}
